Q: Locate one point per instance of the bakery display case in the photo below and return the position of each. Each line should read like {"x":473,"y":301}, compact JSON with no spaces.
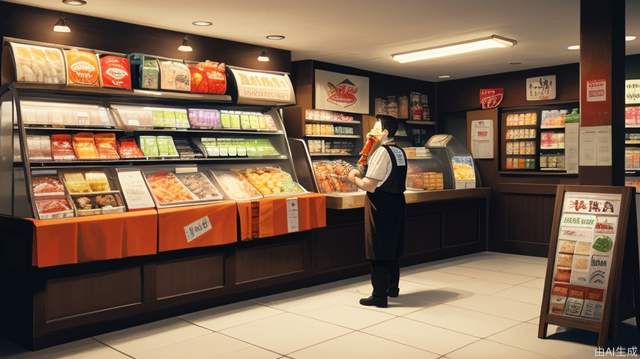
{"x":457,"y":164}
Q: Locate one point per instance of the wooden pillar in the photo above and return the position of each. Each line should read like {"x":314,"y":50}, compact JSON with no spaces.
{"x":602,"y":51}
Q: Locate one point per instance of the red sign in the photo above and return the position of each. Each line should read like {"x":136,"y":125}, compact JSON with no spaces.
{"x":491,"y":98}
{"x":342,"y":94}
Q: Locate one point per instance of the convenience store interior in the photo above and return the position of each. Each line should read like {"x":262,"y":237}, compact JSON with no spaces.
{"x":144,"y":276}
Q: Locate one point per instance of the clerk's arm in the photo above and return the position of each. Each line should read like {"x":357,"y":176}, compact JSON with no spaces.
{"x":366,"y":183}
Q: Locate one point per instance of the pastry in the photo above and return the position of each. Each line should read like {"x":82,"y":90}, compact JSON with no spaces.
{"x":97,"y":181}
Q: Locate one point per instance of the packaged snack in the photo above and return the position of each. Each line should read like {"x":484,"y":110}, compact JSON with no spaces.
{"x":167,"y":189}
{"x":39,"y":147}
{"x":128,"y":148}
{"x":166,"y":147}
{"x":83,"y":68}
{"x":47,"y":185}
{"x":150,"y":77}
{"x":53,"y":207}
{"x":200,"y":186}
{"x":236,"y":186}
{"x":76,"y":183}
{"x":84,"y":146}
{"x":98,"y":181}
{"x":38,"y":64}
{"x":208,"y":77}
{"x":149,"y":146}
{"x":270,"y":180}
{"x":106,"y":146}
{"x":134,"y":117}
{"x":186,"y":149}
{"x":174,"y":76}
{"x":115,"y":72}
{"x":182,"y":120}
{"x":208,"y":118}
{"x":61,"y":147}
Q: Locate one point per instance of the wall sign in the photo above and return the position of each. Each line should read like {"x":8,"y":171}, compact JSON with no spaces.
{"x":632,"y":92}
{"x":541,"y":88}
{"x":262,"y":88}
{"x":592,"y":228}
{"x":341,"y":92}
{"x":491,"y":98}
{"x":596,"y":90}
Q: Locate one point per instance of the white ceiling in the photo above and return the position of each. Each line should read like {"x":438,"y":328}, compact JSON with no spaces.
{"x":365,"y":33}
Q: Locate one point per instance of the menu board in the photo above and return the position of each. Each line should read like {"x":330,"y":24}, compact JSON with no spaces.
{"x":256,"y":87}
{"x":586,"y":236}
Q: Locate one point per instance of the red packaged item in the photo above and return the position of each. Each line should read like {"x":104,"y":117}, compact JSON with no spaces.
{"x":128,"y":148}
{"x":106,"y":145}
{"x":47,"y":185}
{"x":85,"y":146}
{"x":61,"y":147}
{"x":56,"y":207}
{"x":208,"y":77}
{"x":115,"y":72}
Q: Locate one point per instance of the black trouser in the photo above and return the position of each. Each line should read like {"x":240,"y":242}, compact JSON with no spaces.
{"x":385,"y":275}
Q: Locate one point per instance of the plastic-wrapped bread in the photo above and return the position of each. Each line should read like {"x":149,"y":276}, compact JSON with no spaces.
{"x":174,"y":76}
{"x":38,"y":64}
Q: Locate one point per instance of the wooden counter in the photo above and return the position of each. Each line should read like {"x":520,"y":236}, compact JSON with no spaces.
{"x":356,"y":200}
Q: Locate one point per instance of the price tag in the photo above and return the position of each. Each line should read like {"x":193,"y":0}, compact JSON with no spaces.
{"x":293,"y":224}
{"x":196,"y":229}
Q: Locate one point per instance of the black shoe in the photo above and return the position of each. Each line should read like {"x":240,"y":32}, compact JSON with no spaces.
{"x":374,"y":301}
{"x":393,"y":293}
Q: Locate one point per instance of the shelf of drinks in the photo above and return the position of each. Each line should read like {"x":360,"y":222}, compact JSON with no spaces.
{"x":150,"y":130}
{"x":334,"y":136}
{"x":552,"y":148}
{"x":136,"y":93}
{"x":143,"y":161}
{"x":421,"y":123}
{"x":315,"y":154}
{"x":334,"y":122}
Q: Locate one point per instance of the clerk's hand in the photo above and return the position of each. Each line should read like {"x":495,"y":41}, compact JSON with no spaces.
{"x":353,"y":174}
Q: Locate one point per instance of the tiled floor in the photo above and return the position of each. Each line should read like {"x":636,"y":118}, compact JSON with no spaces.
{"x":477,"y":306}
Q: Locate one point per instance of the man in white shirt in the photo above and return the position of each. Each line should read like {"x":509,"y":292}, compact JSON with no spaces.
{"x":384,"y":182}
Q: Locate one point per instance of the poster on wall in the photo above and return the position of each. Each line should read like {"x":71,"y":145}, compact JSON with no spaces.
{"x":491,"y":98}
{"x":341,"y":92}
{"x":632,"y":92}
{"x":541,"y":88}
{"x":482,"y":142}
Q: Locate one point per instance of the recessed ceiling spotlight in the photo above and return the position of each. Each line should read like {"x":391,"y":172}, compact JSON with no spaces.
{"x":275,"y":37}
{"x":61,"y":26}
{"x":515,"y":63}
{"x":629,"y":38}
{"x":185,"y":46}
{"x":573,"y":47}
{"x":202,"y":23}
{"x":263,"y":57}
{"x":444,"y":76}
{"x":75,"y":2}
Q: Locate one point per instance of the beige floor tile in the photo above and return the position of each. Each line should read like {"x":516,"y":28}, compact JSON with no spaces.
{"x":434,"y":278}
{"x":309,"y":300}
{"x":488,"y":275}
{"x":360,"y":345}
{"x":497,"y":306}
{"x":227,"y":316}
{"x":82,"y":349}
{"x":522,"y":294}
{"x":484,"y":349}
{"x":537,"y":283}
{"x":537,"y":270}
{"x":207,"y":346}
{"x":462,"y":320}
{"x":352,"y":316}
{"x":136,"y":340}
{"x":479,"y":286}
{"x":285,"y":333}
{"x":420,"y":335}
{"x":410,"y":301}
{"x":525,"y":336}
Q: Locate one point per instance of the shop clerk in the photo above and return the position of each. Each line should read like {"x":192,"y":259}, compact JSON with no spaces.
{"x":384,"y":182}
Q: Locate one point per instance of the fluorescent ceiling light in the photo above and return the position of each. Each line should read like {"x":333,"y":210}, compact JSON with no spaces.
{"x":573,"y":47}
{"x":629,"y":38}
{"x":491,"y":42}
{"x":61,"y":26}
{"x":263,"y":57}
{"x":444,"y":76}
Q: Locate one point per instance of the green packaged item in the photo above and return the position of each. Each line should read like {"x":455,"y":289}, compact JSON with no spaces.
{"x":149,"y":146}
{"x":166,"y":147}
{"x":182,"y":120}
{"x":225,"y":119}
{"x":150,"y":74}
{"x":262,"y":122}
{"x":169,"y":119}
{"x":255,"y":123}
{"x":158,"y":118}
{"x":245,"y":121}
{"x":235,"y":121}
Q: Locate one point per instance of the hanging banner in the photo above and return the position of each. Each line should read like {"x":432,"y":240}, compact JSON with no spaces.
{"x":491,"y":98}
{"x":341,"y":92}
{"x":632,"y":92}
{"x":541,"y":88}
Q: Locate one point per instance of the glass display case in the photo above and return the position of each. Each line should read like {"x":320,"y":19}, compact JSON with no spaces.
{"x":457,"y":164}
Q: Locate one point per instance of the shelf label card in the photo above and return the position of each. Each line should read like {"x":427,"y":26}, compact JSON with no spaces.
{"x":632,"y":92}
{"x":135,"y":190}
{"x":197,"y":228}
{"x":293,"y":219}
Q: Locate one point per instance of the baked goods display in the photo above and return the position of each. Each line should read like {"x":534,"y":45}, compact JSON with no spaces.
{"x":38,"y":64}
{"x":427,"y":181}
{"x":167,"y":189}
{"x":332,"y":176}
{"x":270,"y":180}
{"x":235,"y":186}
{"x":200,"y":185}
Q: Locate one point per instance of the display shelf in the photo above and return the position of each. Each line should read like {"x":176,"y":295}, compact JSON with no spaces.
{"x":332,"y":154}
{"x":631,"y":143}
{"x":144,"y":161}
{"x":48,"y":90}
{"x":553,"y":128}
{"x":553,"y":169}
{"x":335,"y":122}
{"x":151,"y":130}
{"x":522,"y":126}
{"x":552,"y":148}
{"x":522,"y":155}
{"x":421,"y":123}
{"x":68,"y":129}
{"x":333,"y":136}
{"x":521,"y":139}
{"x":632,"y":126}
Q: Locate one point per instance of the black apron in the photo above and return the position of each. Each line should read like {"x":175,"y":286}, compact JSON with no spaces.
{"x":384,"y":211}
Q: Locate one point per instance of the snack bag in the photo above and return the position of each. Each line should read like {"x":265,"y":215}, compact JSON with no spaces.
{"x":106,"y":146}
{"x":115,"y":72}
{"x":85,"y":147}
{"x":83,"y":68}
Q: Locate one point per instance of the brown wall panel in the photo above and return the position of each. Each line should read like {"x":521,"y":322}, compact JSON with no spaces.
{"x":423,"y":233}
{"x":336,"y":247}
{"x":189,"y":276}
{"x":461,"y":225}
{"x":87,"y":294}
{"x":257,"y":263}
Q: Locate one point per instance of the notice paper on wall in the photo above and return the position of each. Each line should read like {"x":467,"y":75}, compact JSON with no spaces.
{"x":571,"y":144}
{"x":482,"y":139}
{"x":595,"y":146}
{"x":293,"y":221}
